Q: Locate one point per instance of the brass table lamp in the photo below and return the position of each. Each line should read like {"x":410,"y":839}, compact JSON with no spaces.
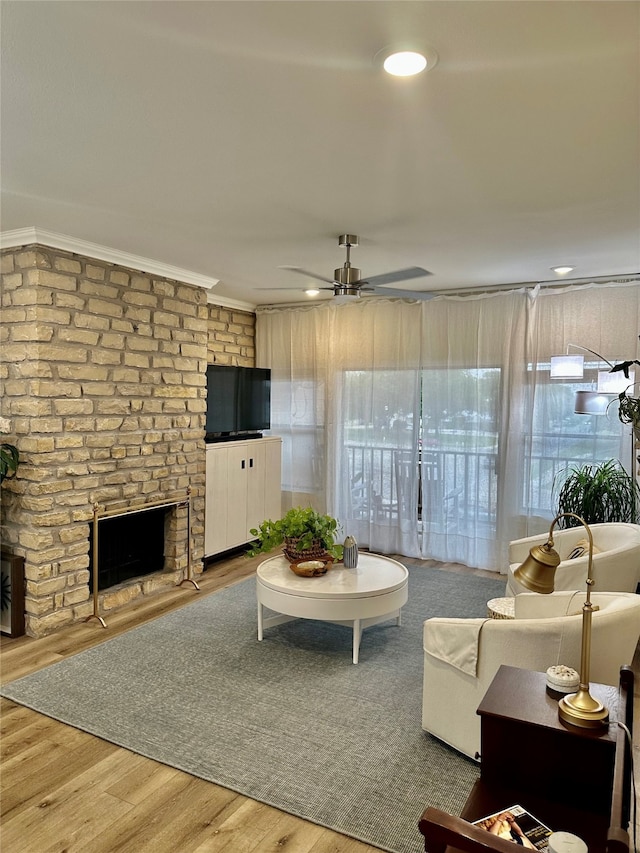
{"x":537,"y":573}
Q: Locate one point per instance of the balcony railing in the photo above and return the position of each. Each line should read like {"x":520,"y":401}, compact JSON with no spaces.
{"x":468,"y":478}
{"x":461,"y":480}
{"x":451,"y":481}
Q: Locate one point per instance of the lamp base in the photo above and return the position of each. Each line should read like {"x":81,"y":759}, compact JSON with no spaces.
{"x":582,"y":710}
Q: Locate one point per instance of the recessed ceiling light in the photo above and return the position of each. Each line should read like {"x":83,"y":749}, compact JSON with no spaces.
{"x":406,"y":61}
{"x":562,"y":270}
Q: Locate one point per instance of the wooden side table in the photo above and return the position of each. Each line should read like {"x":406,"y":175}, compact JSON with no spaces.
{"x":603,"y":831}
{"x":563,"y":775}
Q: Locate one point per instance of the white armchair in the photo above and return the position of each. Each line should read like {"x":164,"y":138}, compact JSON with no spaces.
{"x":616,"y":565}
{"x":461,"y":656}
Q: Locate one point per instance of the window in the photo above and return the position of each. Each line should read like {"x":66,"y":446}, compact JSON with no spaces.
{"x":561,"y":439}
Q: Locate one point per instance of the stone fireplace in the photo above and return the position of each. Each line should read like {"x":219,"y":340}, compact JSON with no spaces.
{"x":103,"y":385}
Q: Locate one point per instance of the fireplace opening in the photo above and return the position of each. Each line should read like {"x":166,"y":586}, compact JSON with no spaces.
{"x":129,"y":546}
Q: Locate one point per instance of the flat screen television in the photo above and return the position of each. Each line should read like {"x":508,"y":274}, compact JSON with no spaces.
{"x":238,"y":402}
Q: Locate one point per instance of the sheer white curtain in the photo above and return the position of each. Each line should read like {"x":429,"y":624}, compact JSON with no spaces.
{"x":477,"y":403}
{"x":419,"y":424}
{"x":602,"y":318}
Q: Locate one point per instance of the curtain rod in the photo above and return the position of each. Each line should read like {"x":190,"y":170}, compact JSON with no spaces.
{"x":626,"y":278}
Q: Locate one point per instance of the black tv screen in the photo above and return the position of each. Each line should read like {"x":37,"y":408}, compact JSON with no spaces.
{"x":254,"y":398}
{"x":238,"y":400}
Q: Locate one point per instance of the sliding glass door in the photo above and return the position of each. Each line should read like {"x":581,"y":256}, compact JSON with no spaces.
{"x":420,"y":451}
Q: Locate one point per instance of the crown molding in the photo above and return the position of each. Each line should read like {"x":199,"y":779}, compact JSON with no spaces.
{"x":224,"y":302}
{"x":31,"y":235}
{"x":28,"y":236}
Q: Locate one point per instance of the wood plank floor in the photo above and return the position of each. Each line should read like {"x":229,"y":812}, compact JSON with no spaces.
{"x":64,"y":791}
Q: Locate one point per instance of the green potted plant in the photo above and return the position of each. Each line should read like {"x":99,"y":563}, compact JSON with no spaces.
{"x":9,"y":458}
{"x":597,"y":493}
{"x":303,"y":531}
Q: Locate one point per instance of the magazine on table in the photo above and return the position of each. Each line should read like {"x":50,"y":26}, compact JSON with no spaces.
{"x":518,"y":825}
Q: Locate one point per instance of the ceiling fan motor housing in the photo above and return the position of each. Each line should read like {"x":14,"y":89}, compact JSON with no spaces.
{"x":347,"y":274}
{"x":347,"y":290}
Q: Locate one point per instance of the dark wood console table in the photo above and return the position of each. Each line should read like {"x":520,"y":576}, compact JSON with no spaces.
{"x":563,"y":775}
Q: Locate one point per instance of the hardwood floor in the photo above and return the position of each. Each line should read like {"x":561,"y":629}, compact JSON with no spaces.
{"x":65,"y":790}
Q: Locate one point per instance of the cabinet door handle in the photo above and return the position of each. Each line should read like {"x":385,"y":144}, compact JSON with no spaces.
{"x":243,"y":463}
{"x":251,"y":463}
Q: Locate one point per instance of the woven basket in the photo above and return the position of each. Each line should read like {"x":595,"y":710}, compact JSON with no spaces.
{"x":316,"y":552}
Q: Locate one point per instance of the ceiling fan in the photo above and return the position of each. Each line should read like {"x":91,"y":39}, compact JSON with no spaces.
{"x":347,"y":280}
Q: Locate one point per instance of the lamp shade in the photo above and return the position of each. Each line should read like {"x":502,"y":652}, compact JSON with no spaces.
{"x":538,"y":571}
{"x":591,"y":403}
{"x":614,"y":383}
{"x":567,"y":367}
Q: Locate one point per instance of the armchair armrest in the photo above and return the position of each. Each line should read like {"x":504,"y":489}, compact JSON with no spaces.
{"x":454,"y":641}
{"x":532,"y":605}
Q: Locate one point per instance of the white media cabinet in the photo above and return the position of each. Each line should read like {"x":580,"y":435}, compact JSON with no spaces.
{"x":243,"y":487}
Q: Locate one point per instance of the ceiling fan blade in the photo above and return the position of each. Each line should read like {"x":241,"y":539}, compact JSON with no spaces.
{"x":307,"y":273}
{"x":397,"y":275}
{"x":292,"y":288}
{"x":391,"y":292}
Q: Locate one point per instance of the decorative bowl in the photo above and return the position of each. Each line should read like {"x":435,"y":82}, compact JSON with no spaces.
{"x":310,"y":568}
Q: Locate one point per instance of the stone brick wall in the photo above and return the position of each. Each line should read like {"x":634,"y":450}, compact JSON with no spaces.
{"x":232,"y":336}
{"x":103,"y":388}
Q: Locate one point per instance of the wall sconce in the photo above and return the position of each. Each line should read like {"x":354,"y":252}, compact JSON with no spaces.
{"x":537,"y":573}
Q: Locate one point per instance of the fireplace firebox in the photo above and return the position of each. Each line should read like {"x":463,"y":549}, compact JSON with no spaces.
{"x":129,"y":546}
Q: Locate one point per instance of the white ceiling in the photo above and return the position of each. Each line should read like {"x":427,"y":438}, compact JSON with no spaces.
{"x":230,"y":138}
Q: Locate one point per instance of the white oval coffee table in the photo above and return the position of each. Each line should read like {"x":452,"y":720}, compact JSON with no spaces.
{"x":373,"y":592}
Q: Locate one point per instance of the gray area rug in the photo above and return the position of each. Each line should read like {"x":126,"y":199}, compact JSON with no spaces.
{"x":290,"y":721}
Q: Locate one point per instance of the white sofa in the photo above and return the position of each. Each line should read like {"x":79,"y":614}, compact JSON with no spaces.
{"x":616,"y":568}
{"x":461,"y":656}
